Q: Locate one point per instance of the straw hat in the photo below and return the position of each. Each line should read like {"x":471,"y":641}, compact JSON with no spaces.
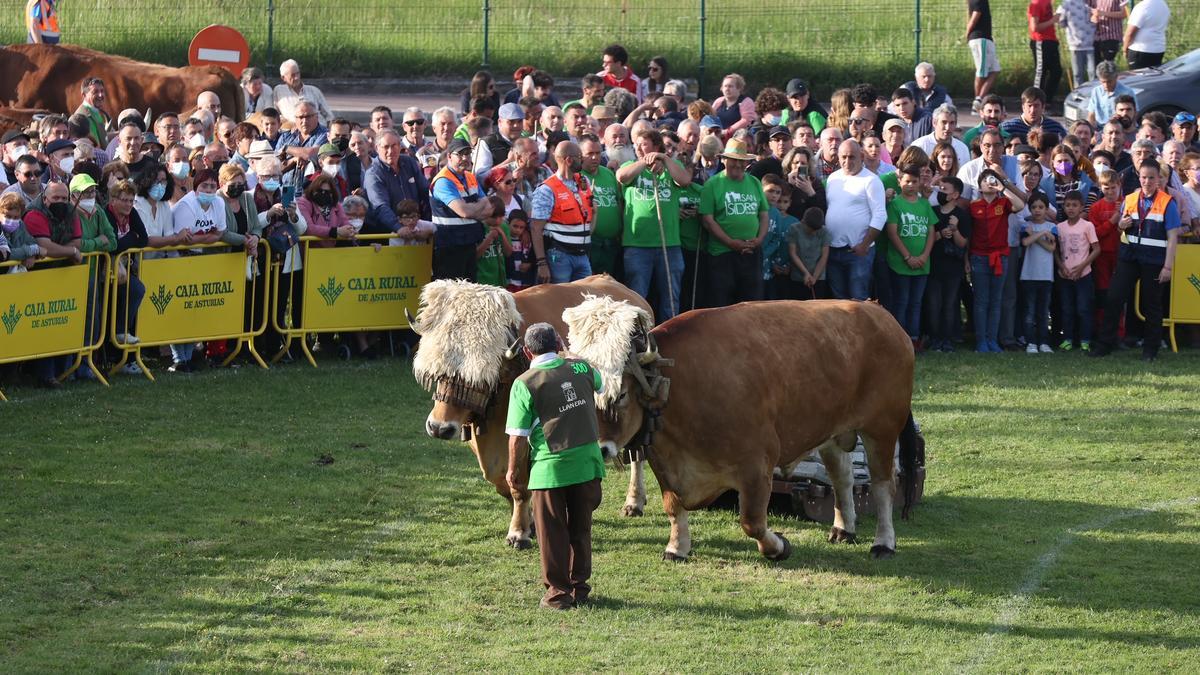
{"x":736,"y":148}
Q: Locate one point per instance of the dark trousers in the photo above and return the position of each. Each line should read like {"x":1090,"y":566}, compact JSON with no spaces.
{"x":1143,"y":59}
{"x":1075,"y":298}
{"x":1037,"y":311}
{"x":454,"y":262}
{"x":1107,"y":50}
{"x":563,"y":517}
{"x":734,"y":277}
{"x":941,"y":297}
{"x":1047,"y":68}
{"x":1124,"y":279}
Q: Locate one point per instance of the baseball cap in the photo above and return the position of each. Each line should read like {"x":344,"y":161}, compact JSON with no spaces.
{"x":13,"y":134}
{"x":511,"y":111}
{"x":711,"y":121}
{"x":59,"y":144}
{"x":328,"y":150}
{"x":796,"y":87}
{"x":457,"y":145}
{"x":1185,"y":118}
{"x":81,"y":182}
{"x":894,"y":122}
{"x":778,"y":131}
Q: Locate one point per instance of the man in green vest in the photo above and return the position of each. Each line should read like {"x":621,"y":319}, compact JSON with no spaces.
{"x":553,"y":450}
{"x":606,"y":200}
{"x":94,"y":96}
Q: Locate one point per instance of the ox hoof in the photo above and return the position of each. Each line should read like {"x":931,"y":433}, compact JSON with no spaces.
{"x":880,"y":552}
{"x":785,"y":553}
{"x":839,"y":536}
{"x":520,"y":543}
{"x":631,"y":511}
{"x":672,"y":557}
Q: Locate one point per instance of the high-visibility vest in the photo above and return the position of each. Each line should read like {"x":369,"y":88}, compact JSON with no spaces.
{"x":45,"y":17}
{"x":443,"y":215}
{"x":570,"y":219}
{"x":1149,"y":230}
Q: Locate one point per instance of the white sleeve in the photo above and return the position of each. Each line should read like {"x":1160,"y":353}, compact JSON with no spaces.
{"x":878,"y":203}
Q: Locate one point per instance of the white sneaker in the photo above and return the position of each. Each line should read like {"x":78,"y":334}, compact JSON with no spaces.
{"x":127,"y":339}
{"x":1031,"y":349}
{"x":1045,"y":349}
{"x":131,"y":369}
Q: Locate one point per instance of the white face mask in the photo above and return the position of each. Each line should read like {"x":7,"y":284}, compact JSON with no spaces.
{"x":67,"y":163}
{"x":330,"y":170}
{"x":18,"y":152}
{"x":87,"y":205}
{"x":771,"y":119}
{"x":356,"y":223}
{"x":196,"y":141}
{"x":180,"y":170}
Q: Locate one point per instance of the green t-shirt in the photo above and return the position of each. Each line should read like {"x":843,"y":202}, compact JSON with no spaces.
{"x":913,"y":221}
{"x":547,"y":469}
{"x":641,"y":216}
{"x":689,"y":228}
{"x":735,"y":206}
{"x":605,"y":191}
{"x":815,"y":119}
{"x":491,"y":269}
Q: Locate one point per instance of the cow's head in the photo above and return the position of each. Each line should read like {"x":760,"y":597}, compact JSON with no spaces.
{"x":467,"y":331}
{"x":614,"y":337}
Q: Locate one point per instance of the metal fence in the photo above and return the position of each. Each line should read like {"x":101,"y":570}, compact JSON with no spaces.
{"x":831,"y":43}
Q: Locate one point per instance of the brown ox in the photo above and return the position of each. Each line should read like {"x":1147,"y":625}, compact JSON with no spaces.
{"x":465,"y":329}
{"x":48,"y":76}
{"x":755,"y":386}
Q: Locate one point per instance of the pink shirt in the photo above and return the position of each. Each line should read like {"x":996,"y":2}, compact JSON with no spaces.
{"x":1074,"y":241}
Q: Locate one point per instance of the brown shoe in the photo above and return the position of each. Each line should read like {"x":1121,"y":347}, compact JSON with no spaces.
{"x":556,"y":604}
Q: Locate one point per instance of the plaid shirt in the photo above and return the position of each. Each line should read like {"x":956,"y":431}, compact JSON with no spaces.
{"x":1111,"y":28}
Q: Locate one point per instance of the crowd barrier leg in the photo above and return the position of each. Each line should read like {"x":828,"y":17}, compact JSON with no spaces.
{"x":1167,"y":322}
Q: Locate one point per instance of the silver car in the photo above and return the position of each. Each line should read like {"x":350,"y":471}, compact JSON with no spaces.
{"x":1169,"y":88}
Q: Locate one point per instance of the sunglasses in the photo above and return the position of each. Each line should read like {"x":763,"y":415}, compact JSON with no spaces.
{"x":857,"y":120}
{"x":414,"y":123}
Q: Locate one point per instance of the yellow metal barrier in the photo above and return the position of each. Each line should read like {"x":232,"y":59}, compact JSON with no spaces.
{"x":353,"y":288}
{"x":44,"y":311}
{"x":1185,"y":291}
{"x":192,"y":298}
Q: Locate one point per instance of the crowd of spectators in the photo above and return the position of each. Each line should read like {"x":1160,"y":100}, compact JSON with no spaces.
{"x":1032,"y":231}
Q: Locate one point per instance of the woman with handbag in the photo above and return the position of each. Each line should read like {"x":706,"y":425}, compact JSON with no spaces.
{"x":282,"y":228}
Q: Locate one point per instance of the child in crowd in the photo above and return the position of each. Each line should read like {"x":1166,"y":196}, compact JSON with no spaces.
{"x":411,"y":229}
{"x":492,"y":253}
{"x":776,"y":275}
{"x":21,"y":245}
{"x":808,"y":249}
{"x":911,"y":232}
{"x":989,"y":252}
{"x":1078,"y":248}
{"x":1037,"y":274}
{"x":1104,"y":216}
{"x":946,"y":264}
{"x":521,"y":272}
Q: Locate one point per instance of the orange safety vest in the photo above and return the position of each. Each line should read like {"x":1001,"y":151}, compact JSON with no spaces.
{"x":442,"y":214}
{"x":567,"y":209}
{"x":1148,"y":230}
{"x":46,"y":20}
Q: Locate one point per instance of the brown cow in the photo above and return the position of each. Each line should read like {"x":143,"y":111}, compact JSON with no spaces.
{"x":465,"y":331}
{"x":755,"y":386}
{"x":48,"y":76}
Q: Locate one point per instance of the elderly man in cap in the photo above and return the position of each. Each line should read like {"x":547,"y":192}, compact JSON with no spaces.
{"x":28,"y":179}
{"x":329,"y":162}
{"x":497,"y":146}
{"x":458,"y":206}
{"x":802,"y":106}
{"x":779,"y":139}
{"x":15,"y":145}
{"x":258,"y":150}
{"x":60,"y":160}
{"x":1183,"y":129}
{"x":856,"y":215}
{"x":605,"y":116}
{"x":289,"y":94}
{"x":734,"y":210}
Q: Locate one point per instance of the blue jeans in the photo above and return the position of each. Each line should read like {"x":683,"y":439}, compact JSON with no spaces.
{"x":644,"y":271}
{"x":849,"y":275}
{"x":1010,"y":305}
{"x":565,"y":267}
{"x":907,"y":293}
{"x":1036,"y":295}
{"x":1076,"y":299}
{"x":989,"y":291}
{"x":129,"y":299}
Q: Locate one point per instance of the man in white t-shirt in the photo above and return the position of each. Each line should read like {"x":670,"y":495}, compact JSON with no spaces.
{"x":855,"y":217}
{"x":945,"y":123}
{"x":1146,"y":34}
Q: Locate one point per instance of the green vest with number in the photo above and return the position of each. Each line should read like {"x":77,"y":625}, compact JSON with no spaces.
{"x":564,"y":399}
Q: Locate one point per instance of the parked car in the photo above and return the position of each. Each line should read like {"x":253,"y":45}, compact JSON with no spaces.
{"x":1169,"y":88}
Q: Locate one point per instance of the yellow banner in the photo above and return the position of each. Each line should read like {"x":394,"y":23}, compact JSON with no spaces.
{"x":353,"y":288}
{"x":1185,"y":284}
{"x":43,"y":312}
{"x":198,"y":297}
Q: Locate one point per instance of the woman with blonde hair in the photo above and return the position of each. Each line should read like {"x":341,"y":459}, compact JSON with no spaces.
{"x":841,"y":106}
{"x":734,"y":108}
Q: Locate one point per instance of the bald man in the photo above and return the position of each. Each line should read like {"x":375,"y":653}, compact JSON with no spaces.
{"x":561,"y":218}
{"x":856,"y":215}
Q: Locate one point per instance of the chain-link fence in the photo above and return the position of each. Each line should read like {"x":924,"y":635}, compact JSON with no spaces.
{"x":831,"y":43}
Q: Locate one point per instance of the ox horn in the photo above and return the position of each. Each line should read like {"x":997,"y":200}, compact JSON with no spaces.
{"x":511,"y":352}
{"x":412,"y":323}
{"x":651,"y":354}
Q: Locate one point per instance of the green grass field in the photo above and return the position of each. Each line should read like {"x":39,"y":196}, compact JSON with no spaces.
{"x":188,"y":525}
{"x":833,"y":44}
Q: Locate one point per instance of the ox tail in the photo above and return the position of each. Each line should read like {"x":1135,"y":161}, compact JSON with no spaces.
{"x":909,"y":452}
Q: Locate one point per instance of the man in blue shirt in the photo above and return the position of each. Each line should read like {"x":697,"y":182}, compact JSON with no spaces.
{"x":458,"y":207}
{"x":392,"y":179}
{"x":300,"y":145}
{"x":1103,"y":100}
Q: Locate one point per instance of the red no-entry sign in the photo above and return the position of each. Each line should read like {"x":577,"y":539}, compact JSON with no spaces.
{"x":220,"y":46}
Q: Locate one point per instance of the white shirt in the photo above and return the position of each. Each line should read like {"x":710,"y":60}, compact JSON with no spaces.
{"x":1150,"y":17}
{"x":160,"y":223}
{"x":928,"y":142}
{"x":189,"y":215}
{"x":969,"y":174}
{"x":286,"y":99}
{"x":855,"y":204}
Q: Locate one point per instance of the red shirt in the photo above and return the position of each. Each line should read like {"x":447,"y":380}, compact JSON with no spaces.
{"x":38,"y":226}
{"x":1101,"y":215}
{"x":630,"y":83}
{"x":1041,"y":11}
{"x":989,"y":226}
